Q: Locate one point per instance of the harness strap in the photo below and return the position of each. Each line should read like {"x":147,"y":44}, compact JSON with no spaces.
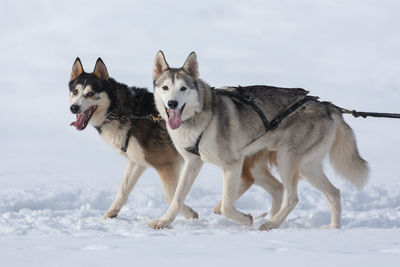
{"x":274,"y":123}
{"x":112,"y":117}
{"x":285,"y":113}
{"x":282,"y":115}
{"x":124,"y":148}
{"x":195,"y":148}
{"x":268,"y":125}
{"x":249,"y":100}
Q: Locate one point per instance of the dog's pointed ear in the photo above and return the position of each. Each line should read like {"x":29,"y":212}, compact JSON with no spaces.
{"x":100,"y":70}
{"x":77,"y":69}
{"x":160,"y":64}
{"x":191,"y":66}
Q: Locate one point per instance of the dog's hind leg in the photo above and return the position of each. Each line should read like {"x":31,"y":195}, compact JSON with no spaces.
{"x":288,"y":170}
{"x":313,"y":173}
{"x":266,"y":180}
{"x":169,"y":177}
{"x":231,"y":178}
{"x":131,"y":176}
{"x":256,"y":171}
{"x":247,"y":180}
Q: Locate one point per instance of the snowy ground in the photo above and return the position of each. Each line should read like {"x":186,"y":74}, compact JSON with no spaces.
{"x":55,"y":182}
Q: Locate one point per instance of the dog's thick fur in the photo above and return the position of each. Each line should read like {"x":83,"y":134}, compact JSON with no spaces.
{"x":93,"y":96}
{"x":227,"y":126}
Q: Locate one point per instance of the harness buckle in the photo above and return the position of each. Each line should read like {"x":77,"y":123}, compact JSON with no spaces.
{"x":157,"y":119}
{"x":249,"y":98}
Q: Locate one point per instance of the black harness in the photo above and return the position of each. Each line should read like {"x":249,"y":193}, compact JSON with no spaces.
{"x":130,"y":118}
{"x":249,"y":100}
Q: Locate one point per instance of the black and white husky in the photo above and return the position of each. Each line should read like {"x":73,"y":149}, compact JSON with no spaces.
{"x":224,"y":131}
{"x":121,"y":116}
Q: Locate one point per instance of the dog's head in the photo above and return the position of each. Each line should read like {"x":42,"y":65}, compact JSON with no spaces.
{"x":88,"y":94}
{"x":175,"y":89}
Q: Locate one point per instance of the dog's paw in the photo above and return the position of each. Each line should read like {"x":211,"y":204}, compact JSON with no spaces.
{"x":268,"y":226}
{"x":250,"y":220}
{"x":159,"y":224}
{"x":217,"y":209}
{"x":195,"y":215}
{"x":331,"y":226}
{"x":110,"y":215}
{"x":189,"y":213}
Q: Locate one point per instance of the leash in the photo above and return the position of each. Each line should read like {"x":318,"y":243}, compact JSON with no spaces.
{"x":363,"y":114}
{"x":126,"y":118}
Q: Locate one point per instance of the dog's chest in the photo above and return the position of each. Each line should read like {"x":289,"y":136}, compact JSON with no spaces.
{"x":115,"y":135}
{"x":184,"y":137}
{"x":208,"y":150}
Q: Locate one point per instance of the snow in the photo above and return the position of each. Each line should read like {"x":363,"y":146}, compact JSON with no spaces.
{"x":56,"y":182}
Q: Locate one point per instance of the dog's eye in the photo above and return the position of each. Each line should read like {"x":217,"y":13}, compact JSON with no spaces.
{"x":75,"y":92}
{"x":165,"y":88}
{"x":90,"y":94}
{"x":183,"y":88}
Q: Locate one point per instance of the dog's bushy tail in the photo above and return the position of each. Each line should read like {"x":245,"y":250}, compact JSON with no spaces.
{"x":345,"y":157}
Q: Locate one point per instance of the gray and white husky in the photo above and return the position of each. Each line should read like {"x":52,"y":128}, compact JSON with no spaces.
{"x":223,"y":131}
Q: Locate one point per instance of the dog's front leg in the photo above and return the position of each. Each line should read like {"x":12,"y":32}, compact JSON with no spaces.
{"x":188,"y":175}
{"x":230,"y":190}
{"x":131,"y":176}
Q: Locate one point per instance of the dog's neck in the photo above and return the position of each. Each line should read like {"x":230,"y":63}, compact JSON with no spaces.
{"x":124,"y":103}
{"x":203,"y":116}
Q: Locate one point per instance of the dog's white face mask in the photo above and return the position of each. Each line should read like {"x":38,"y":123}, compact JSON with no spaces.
{"x":87,"y":101}
{"x":175,"y":89}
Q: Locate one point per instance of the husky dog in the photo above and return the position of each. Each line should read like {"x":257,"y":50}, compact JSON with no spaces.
{"x":226,"y":130}
{"x":122,"y":116}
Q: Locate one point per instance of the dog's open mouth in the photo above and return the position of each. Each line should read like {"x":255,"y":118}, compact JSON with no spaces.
{"x":174,"y":117}
{"x":82,"y":119}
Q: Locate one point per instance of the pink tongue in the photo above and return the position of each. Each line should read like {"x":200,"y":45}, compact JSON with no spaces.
{"x":80,"y":121}
{"x":174,"y":119}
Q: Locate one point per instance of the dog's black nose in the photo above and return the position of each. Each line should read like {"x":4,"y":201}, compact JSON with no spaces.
{"x":74,"y":109}
{"x":172,"y":104}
